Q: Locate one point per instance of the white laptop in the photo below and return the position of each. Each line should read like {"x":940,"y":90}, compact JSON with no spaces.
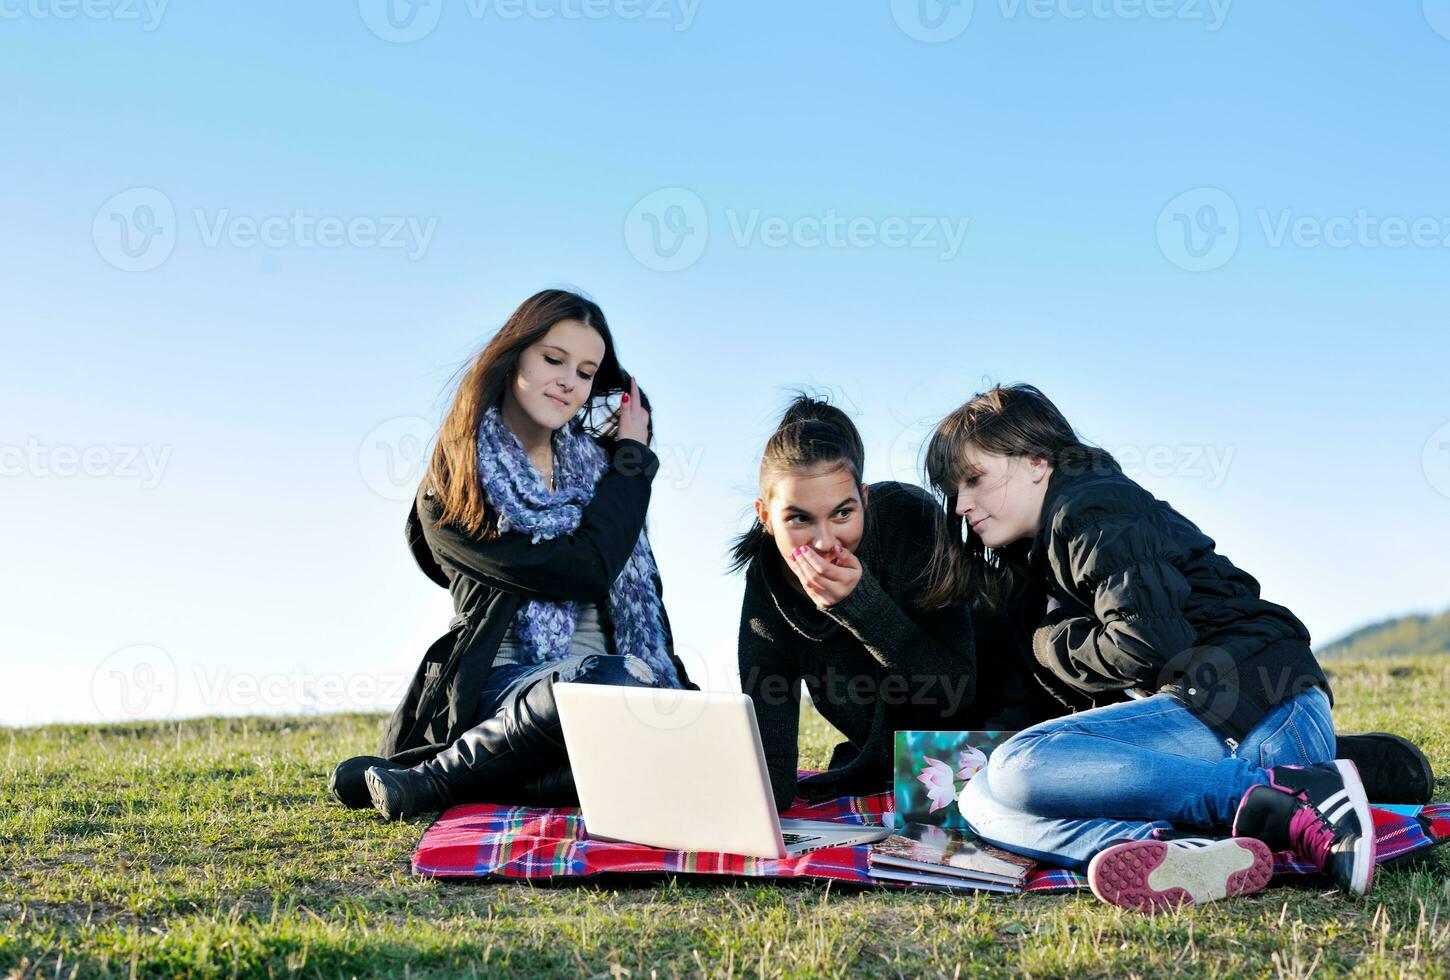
{"x":682,"y":770}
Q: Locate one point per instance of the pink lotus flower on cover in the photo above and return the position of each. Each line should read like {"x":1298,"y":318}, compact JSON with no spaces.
{"x":970,"y":762}
{"x":936,"y":776}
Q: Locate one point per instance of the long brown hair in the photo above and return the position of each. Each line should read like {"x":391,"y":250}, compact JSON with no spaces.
{"x":812,"y":434}
{"x":453,"y":468}
{"x":1010,"y":420}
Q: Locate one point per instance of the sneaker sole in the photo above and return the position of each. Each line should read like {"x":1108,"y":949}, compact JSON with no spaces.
{"x":1147,"y":875}
{"x":379,"y":794}
{"x":1364,"y":847}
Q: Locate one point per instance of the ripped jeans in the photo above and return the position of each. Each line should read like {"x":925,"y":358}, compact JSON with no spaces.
{"x":1063,"y":790}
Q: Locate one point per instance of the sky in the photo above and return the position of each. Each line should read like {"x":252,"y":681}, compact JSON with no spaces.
{"x":246,"y":247}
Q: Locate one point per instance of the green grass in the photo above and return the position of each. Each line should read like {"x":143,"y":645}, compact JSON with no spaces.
{"x":209,"y":848}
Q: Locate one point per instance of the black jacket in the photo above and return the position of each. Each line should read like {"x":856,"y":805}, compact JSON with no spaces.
{"x":873,"y":663}
{"x":491,"y":578}
{"x":1146,"y":603}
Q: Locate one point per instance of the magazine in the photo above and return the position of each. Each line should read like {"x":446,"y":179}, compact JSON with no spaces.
{"x":948,"y":857}
{"x":932,"y":768}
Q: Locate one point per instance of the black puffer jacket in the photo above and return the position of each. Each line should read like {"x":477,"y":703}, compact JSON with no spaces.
{"x":490,"y":578}
{"x":1147,"y":604}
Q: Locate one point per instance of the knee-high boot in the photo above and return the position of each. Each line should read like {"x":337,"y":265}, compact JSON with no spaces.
{"x":519,"y":741}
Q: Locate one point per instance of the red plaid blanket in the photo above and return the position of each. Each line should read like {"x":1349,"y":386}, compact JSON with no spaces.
{"x":481,"y":840}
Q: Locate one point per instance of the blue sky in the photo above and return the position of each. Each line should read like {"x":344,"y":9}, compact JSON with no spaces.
{"x":246,"y":247}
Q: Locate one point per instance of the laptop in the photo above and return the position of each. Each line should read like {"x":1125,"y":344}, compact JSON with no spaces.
{"x":682,"y":770}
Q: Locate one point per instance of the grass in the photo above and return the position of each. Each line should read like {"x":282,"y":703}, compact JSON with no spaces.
{"x":209,"y":848}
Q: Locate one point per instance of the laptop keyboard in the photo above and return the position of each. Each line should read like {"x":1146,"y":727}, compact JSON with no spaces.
{"x":790,"y":838}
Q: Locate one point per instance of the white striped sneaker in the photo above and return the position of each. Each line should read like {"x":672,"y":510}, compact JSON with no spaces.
{"x":1319,"y":812}
{"x":1154,"y":874}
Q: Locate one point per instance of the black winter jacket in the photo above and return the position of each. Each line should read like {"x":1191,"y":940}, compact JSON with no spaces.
{"x":1147,"y":603}
{"x":873,"y":663}
{"x":490,"y":578}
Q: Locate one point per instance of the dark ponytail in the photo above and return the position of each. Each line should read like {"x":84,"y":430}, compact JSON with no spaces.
{"x":813,"y":434}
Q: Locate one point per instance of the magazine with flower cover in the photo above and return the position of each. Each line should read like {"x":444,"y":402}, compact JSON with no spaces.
{"x":947,"y":857}
{"x":932,"y":769}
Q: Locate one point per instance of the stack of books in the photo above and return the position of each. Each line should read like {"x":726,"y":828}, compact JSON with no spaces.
{"x":932,"y":845}
{"x":941,"y":857}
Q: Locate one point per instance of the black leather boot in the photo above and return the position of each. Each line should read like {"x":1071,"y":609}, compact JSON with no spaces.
{"x":346,"y":782}
{"x":520,"y":740}
{"x":1394,"y":769}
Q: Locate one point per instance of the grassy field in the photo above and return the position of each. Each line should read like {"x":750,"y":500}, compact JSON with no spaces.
{"x":209,"y":848}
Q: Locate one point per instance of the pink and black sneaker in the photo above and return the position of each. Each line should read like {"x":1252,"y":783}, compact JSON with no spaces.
{"x":1154,"y":874}
{"x":1318,"y":812}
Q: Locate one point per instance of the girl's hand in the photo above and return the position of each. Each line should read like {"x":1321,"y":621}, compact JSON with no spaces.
{"x":633,"y":418}
{"x":826,"y":583}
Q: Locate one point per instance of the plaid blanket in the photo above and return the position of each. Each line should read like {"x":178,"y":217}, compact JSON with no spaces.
{"x":487,"y":840}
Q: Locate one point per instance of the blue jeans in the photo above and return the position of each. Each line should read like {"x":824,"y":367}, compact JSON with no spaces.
{"x":1061,"y":791}
{"x":591,"y":668}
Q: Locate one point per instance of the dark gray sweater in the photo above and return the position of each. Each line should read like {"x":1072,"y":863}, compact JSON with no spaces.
{"x":873,"y":663}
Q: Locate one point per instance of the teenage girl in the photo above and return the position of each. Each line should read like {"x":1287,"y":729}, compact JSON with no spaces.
{"x":1196,"y":703}
{"x":833,"y":588}
{"x":534,"y":518}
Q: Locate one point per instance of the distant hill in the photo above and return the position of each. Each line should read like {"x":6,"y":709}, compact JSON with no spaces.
{"x":1420,"y":634}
